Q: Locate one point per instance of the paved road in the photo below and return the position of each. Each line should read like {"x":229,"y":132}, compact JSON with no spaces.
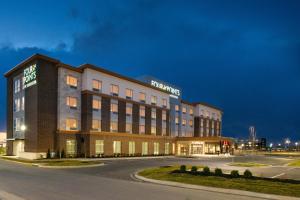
{"x":112,"y":181}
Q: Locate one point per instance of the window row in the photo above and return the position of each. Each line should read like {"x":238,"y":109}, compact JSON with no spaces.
{"x":184,"y":110}
{"x":184,"y":121}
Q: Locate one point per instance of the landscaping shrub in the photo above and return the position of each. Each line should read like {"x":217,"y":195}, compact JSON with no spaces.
{"x":182,"y":168}
{"x":234,"y":174}
{"x":247,"y":174}
{"x":48,"y":154}
{"x":206,"y":170}
{"x":62,"y":154}
{"x":218,"y":172}
{"x":57,"y":154}
{"x":194,"y":169}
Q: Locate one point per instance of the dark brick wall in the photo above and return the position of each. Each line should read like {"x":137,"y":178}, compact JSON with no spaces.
{"x":168,"y":123}
{"x":148,"y":120}
{"x":105,"y":114}
{"x":121,"y":116}
{"x":135,"y":118}
{"x":158,"y":121}
{"x":86,"y":112}
{"x":197,"y":127}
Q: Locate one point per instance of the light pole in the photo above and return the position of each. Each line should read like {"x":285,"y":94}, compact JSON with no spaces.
{"x":296,"y":143}
{"x":287,"y":142}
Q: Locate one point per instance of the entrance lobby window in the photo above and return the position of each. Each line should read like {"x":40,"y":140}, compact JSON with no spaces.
{"x":144,"y":148}
{"x":156,"y":148}
{"x":71,"y":147}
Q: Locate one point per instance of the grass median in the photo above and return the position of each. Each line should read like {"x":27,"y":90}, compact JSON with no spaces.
{"x":247,"y":164}
{"x":295,"y":163}
{"x":268,"y":186}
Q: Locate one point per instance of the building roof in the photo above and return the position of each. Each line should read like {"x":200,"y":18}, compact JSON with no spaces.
{"x":201,"y":103}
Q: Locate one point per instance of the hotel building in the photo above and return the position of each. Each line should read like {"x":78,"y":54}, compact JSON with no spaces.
{"x":88,"y":111}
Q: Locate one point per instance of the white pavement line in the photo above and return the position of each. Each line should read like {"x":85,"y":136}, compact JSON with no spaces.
{"x":278,"y":175}
{"x":215,"y":189}
{"x":8,"y":196}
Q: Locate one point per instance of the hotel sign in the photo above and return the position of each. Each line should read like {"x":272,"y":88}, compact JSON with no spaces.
{"x":172,"y":90}
{"x":29,"y":76}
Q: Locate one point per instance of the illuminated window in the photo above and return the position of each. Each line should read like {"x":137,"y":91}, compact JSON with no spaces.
{"x":117,"y":147}
{"x":144,"y":148}
{"x":164,"y":102}
{"x":142,"y":129}
{"x":96,"y":125}
{"x":176,"y":108}
{"x":142,"y":111}
{"x":153,"y":130}
{"x":71,"y":102}
{"x":164,"y":115}
{"x":191,"y":122}
{"x":129,"y":94}
{"x":114,"y":108}
{"x":17,"y":105}
{"x":17,"y":124}
{"x":167,"y":147}
{"x":114,"y":90}
{"x":191,"y":111}
{"x":183,"y":122}
{"x":153,"y":100}
{"x":131,"y":147}
{"x":96,"y":104}
{"x":71,"y":124}
{"x":176,"y":120}
{"x":72,"y":81}
{"x":97,"y":85}
{"x":99,"y":147}
{"x":142,"y":97}
{"x":156,"y":148}
{"x":153,"y":113}
{"x":183,"y":110}
{"x":128,"y":110}
{"x":128,"y":128}
{"x":164,"y":131}
{"x":17,"y":85}
{"x":113,"y":126}
{"x":71,"y":147}
{"x":23,"y":103}
{"x":207,"y":123}
{"x":201,"y":122}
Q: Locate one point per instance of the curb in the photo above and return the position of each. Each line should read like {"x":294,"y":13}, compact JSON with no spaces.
{"x":214,"y":189}
{"x":68,"y":167}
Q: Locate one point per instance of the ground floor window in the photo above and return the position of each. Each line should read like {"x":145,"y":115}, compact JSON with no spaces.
{"x":167,"y":146}
{"x":71,"y":147}
{"x":156,"y":148}
{"x":144,"y":148}
{"x":131,"y":148}
{"x":99,"y":147}
{"x":117,"y":147}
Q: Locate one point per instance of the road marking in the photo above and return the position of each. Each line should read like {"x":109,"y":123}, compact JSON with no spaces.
{"x":278,"y":175}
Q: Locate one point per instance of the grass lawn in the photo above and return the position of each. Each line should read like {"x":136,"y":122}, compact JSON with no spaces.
{"x":247,"y":164}
{"x":295,"y":163}
{"x":2,"y":150}
{"x":254,"y":185}
{"x":55,"y":162}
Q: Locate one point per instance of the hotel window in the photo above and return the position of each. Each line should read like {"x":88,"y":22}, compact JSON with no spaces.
{"x":72,"y":102}
{"x":71,"y":124}
{"x":218,"y":125}
{"x":153,"y":100}
{"x":164,"y":103}
{"x":17,"y":105}
{"x":96,"y":125}
{"x":167,"y":147}
{"x":71,"y":147}
{"x":97,"y":85}
{"x":191,"y":111}
{"x":96,"y":104}
{"x":207,"y":124}
{"x":128,"y":128}
{"x":201,"y":131}
{"x":183,"y":110}
{"x":201,"y":122}
{"x":113,"y":126}
{"x":114,"y":108}
{"x":114,"y":90}
{"x":129,"y":94}
{"x":164,"y":131}
{"x":17,"y":85}
{"x":131,"y":148}
{"x":177,"y":108}
{"x":144,"y":148}
{"x":23,"y":103}
{"x":153,"y":130}
{"x":156,"y":148}
{"x":142,"y":111}
{"x":72,"y":81}
{"x":176,"y":120}
{"x":183,"y":122}
{"x":142,"y":97}
{"x":164,"y":115}
{"x":128,"y":110}
{"x":117,"y":147}
{"x":142,"y":129}
{"x":191,"y":122}
{"x":99,"y":147}
{"x":17,"y":124}
{"x":153,"y":113}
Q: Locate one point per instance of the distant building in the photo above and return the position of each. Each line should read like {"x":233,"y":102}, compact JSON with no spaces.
{"x":258,"y":144}
{"x":2,"y":139}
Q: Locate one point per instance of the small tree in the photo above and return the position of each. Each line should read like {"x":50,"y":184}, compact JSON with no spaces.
{"x":234,"y":174}
{"x":206,"y":170}
{"x":57,"y":153}
{"x":48,"y":154}
{"x":218,"y":172}
{"x":194,"y":169}
{"x":182,"y":168}
{"x":62,"y":154}
{"x":248,"y":174}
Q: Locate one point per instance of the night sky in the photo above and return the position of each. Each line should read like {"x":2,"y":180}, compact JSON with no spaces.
{"x":241,"y":56}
